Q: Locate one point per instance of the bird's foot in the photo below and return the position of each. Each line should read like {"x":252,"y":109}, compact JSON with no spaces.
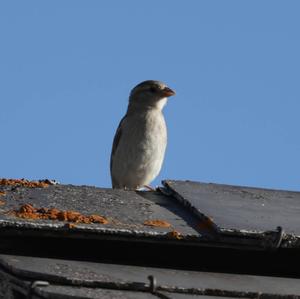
{"x":149,"y":188}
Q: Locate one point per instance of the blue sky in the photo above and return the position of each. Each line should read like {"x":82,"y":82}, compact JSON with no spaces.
{"x":67,"y":67}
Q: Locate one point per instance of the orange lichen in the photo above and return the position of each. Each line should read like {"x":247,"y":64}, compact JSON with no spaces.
{"x":2,"y":202}
{"x":27,"y":211}
{"x":25,"y":183}
{"x":2,"y":193}
{"x":174,"y":235}
{"x":207,"y":224}
{"x":157,"y":223}
{"x":70,"y":225}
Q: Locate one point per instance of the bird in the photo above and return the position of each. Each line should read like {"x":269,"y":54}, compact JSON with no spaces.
{"x":140,"y":140}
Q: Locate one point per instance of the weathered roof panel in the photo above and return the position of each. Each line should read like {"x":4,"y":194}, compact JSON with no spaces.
{"x":128,"y":213}
{"x":134,"y":278}
{"x":240,"y":208}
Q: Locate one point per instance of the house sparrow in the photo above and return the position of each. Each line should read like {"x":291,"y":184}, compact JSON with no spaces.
{"x":140,"y":141}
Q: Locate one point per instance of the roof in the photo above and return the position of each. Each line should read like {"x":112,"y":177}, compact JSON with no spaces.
{"x":187,"y":235}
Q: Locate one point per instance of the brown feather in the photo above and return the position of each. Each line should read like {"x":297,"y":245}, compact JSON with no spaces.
{"x":116,"y":141}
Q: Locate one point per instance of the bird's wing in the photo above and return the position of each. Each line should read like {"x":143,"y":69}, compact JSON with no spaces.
{"x":116,"y":142}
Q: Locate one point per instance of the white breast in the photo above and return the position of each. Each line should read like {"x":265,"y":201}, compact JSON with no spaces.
{"x":140,"y":153}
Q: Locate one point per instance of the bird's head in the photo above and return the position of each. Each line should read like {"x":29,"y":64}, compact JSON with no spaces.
{"x":151,"y":94}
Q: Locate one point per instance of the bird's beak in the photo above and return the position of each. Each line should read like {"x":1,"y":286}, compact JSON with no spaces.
{"x":167,"y":92}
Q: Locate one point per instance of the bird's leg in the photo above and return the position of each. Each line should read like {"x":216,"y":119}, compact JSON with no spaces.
{"x":149,"y":188}
{"x":145,"y":188}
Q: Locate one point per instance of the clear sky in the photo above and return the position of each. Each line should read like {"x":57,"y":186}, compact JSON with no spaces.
{"x":67,"y":67}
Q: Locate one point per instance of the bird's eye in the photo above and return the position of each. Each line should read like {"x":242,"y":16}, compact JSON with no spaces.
{"x":152,"y":89}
